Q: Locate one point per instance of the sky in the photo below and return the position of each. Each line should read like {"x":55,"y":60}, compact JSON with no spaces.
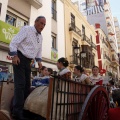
{"x":115,"y":7}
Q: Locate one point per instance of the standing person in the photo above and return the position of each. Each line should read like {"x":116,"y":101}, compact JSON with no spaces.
{"x":24,"y":47}
{"x":80,"y":76}
{"x":95,"y":75}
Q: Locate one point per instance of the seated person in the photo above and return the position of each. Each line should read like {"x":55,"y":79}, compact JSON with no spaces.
{"x":50,"y":72}
{"x":62,"y":65}
{"x":42,"y":79}
{"x":80,"y":76}
{"x":36,"y":102}
{"x":114,"y":113}
{"x":95,"y":75}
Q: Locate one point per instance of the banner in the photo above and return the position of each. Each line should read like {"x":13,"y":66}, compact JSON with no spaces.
{"x":7,"y":32}
{"x":54,"y":54}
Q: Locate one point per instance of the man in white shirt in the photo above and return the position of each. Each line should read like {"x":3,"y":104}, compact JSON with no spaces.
{"x":24,"y":47}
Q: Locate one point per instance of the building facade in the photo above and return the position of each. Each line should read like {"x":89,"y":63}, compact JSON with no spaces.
{"x":13,"y":18}
{"x":99,"y":12}
{"x":80,"y":38}
{"x":103,"y":50}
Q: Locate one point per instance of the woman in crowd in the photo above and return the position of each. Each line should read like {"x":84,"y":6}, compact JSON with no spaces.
{"x":95,"y":75}
{"x":36,"y":102}
{"x":50,"y":72}
{"x":80,"y":76}
{"x":114,"y":113}
{"x":42,"y":79}
{"x":62,"y":65}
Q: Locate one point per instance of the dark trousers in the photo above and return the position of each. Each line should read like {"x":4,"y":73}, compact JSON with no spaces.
{"x":22,"y":73}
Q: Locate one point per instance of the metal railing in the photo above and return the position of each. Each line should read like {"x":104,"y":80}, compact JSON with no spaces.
{"x":93,"y":45}
{"x":54,"y":14}
{"x":85,"y":38}
{"x":106,"y":57}
{"x":105,"y":43}
{"x":72,"y":27}
{"x":66,"y":98}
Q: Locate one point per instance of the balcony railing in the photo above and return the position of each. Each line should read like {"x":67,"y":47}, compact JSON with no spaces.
{"x":94,"y":46}
{"x":85,"y":38}
{"x":105,"y":43}
{"x":72,"y":27}
{"x":54,"y":14}
{"x":115,"y":59}
{"x":36,"y":3}
{"x":106,"y":57}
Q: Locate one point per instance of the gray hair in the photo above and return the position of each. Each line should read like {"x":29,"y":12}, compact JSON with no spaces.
{"x":39,"y":17}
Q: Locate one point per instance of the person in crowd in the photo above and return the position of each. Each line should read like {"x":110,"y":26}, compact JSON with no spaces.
{"x":42,"y":79}
{"x":50,"y":72}
{"x":112,"y":85}
{"x":95,"y":75}
{"x":62,"y":65}
{"x":43,"y":71}
{"x":80,"y":76}
{"x":114,"y":113}
{"x":24,"y":47}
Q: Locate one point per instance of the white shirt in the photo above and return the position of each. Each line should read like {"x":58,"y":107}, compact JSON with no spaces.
{"x":29,"y":42}
{"x":64,"y":71}
{"x":81,"y":78}
{"x":95,"y":79}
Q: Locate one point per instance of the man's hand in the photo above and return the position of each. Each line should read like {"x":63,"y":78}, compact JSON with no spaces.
{"x":15,"y":60}
{"x":40,"y":65}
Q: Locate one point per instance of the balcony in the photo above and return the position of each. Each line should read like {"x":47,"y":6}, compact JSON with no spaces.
{"x":105,"y":43}
{"x":107,"y":17}
{"x":110,"y":32}
{"x":72,"y":27}
{"x":108,"y":24}
{"x":107,"y":57}
{"x":85,"y":38}
{"x":93,"y":45}
{"x":115,"y":60}
{"x":36,"y":3}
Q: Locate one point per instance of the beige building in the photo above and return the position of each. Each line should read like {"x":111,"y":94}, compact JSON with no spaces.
{"x":117,"y":31}
{"x":80,"y":38}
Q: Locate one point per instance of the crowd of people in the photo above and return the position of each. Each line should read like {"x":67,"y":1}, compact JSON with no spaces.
{"x":79,"y":74}
{"x":27,"y":46}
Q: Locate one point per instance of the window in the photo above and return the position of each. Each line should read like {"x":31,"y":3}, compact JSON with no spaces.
{"x":54,"y":42}
{"x":91,"y":38}
{"x":54,"y":12}
{"x":72,"y":20}
{"x":0,"y":7}
{"x":83,"y":30}
{"x":14,"y":20}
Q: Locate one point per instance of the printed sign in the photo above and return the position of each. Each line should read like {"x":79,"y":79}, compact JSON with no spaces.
{"x":7,"y":32}
{"x":54,"y":54}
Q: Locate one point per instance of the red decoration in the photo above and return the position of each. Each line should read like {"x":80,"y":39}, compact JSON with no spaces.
{"x":102,"y":71}
{"x":9,"y":58}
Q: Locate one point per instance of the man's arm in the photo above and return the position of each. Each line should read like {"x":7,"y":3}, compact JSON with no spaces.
{"x":16,"y":41}
{"x":39,"y":57}
{"x":14,"y":45}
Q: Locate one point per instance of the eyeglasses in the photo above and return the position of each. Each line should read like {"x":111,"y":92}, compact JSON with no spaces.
{"x":37,"y":37}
